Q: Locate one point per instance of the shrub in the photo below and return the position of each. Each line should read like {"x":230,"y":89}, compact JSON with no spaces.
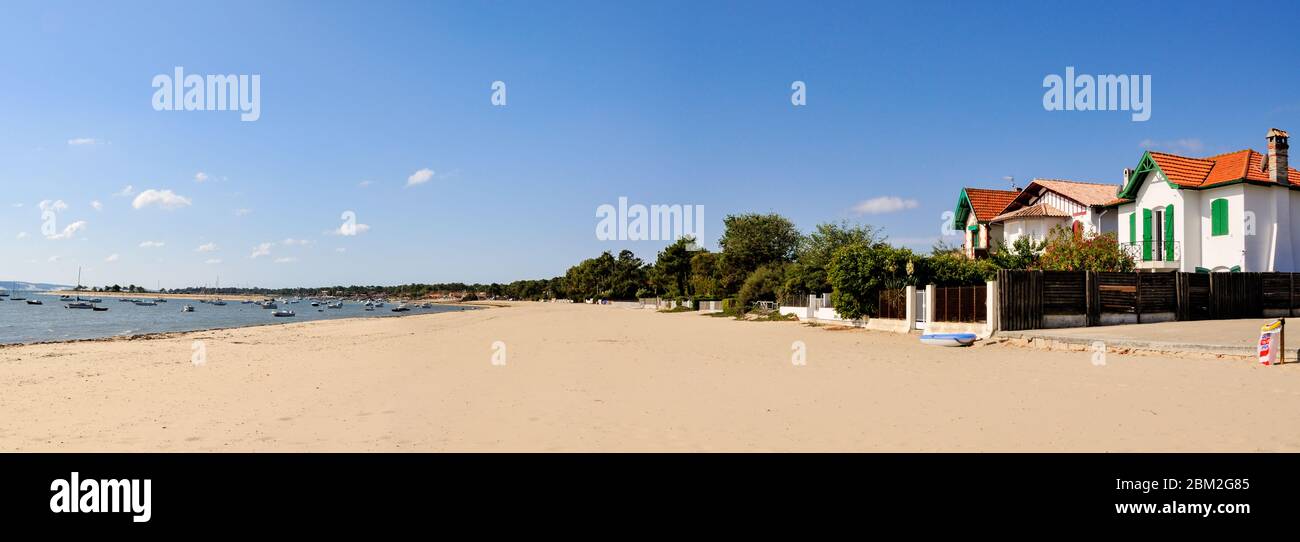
{"x":1066,"y":251}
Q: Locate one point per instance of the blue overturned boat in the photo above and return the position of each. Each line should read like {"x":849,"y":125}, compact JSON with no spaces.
{"x":948,"y":339}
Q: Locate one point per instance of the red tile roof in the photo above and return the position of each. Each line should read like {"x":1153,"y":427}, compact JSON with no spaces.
{"x":1039,"y":210}
{"x":1206,"y":172}
{"x":989,"y":203}
{"x":1084,"y":193}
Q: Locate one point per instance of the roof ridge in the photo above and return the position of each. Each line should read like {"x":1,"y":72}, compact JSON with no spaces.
{"x":1181,"y":157}
{"x":1073,"y":182}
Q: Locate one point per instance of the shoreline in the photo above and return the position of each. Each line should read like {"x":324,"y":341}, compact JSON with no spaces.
{"x":177,"y":334}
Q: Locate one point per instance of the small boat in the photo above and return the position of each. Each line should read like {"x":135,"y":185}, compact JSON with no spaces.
{"x":34,"y":302}
{"x":948,"y":339}
{"x":126,"y":300}
{"x":218,"y":302}
{"x":187,"y":308}
{"x":146,"y":303}
{"x":269,"y":305}
{"x":401,"y":308}
{"x":315,"y":303}
{"x":100,"y":309}
{"x":79,"y":305}
{"x":95,"y":300}
{"x":369,"y":309}
{"x":335,"y":305}
{"x":282,"y":314}
{"x":160,"y":300}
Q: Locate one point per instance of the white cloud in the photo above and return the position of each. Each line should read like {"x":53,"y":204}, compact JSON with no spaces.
{"x":79,"y":141}
{"x":111,"y":258}
{"x":243,"y":212}
{"x":22,"y":235}
{"x":340,"y":250}
{"x":213,"y":261}
{"x":364,"y":184}
{"x":69,"y":230}
{"x":16,"y":205}
{"x":1186,"y":144}
{"x":165,"y":199}
{"x":200,"y":177}
{"x":300,"y":242}
{"x":206,"y":247}
{"x":125,"y":191}
{"x":420,"y":177}
{"x":285,"y":260}
{"x":53,"y":259}
{"x":152,"y":244}
{"x":52,"y":205}
{"x":884,"y":204}
{"x":263,"y":249}
{"x":96,"y":205}
{"x":349,"y":230}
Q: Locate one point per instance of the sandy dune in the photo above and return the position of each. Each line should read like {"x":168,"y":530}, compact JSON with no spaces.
{"x":581,"y":377}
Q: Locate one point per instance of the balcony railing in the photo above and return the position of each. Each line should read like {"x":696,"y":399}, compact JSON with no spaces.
{"x":1160,"y":251}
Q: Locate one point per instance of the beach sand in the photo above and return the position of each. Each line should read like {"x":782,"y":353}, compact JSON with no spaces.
{"x":592,"y":378}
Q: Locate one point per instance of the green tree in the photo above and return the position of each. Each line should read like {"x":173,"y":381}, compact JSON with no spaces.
{"x":673,"y":267}
{"x":704,"y":274}
{"x":858,"y":272}
{"x":750,"y":241}
{"x":765,"y":284}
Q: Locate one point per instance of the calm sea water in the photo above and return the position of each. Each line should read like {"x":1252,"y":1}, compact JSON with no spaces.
{"x":23,"y":323}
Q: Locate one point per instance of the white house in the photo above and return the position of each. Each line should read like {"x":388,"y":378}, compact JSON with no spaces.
{"x":993,"y":218}
{"x":1231,"y":212}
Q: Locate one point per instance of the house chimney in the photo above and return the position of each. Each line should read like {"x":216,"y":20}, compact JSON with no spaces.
{"x":1276,"y":164}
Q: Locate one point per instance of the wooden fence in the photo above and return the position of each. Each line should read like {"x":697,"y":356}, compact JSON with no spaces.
{"x":1027,"y":298}
{"x":892,"y":304}
{"x":961,"y":304}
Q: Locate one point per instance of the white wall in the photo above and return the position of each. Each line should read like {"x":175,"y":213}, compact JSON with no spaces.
{"x":1035,"y":227}
{"x":1271,"y":247}
{"x":1222,"y":252}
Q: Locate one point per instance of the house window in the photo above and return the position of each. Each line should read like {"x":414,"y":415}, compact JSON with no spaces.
{"x":1219,"y":217}
{"x":974,"y":235}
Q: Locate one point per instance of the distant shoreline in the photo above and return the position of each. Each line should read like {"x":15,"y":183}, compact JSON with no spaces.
{"x":151,"y":336}
{"x":154,"y":295}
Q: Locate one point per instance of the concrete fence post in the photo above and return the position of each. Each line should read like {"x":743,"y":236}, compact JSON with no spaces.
{"x":910,"y":312}
{"x":929,"y":304}
{"x":991,"y":307}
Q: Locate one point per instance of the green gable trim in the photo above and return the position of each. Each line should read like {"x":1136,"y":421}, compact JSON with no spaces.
{"x":1146,"y":165}
{"x":962,"y":212}
{"x":973,"y":227}
{"x":1235,"y":269}
{"x":1202,"y":270}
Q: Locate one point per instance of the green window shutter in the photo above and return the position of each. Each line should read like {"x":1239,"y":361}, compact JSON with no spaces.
{"x":1146,"y":235}
{"x":1219,"y":217}
{"x":1133,"y":227}
{"x":1169,"y":233}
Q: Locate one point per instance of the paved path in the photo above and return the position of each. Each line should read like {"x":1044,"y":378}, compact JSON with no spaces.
{"x":1229,"y":337}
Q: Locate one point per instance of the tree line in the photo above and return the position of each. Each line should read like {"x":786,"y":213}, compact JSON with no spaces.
{"x":764,"y":257}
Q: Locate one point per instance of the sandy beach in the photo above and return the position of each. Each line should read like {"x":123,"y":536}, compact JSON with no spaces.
{"x":590,"y":378}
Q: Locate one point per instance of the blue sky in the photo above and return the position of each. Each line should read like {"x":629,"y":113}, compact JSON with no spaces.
{"x":663,"y":103}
